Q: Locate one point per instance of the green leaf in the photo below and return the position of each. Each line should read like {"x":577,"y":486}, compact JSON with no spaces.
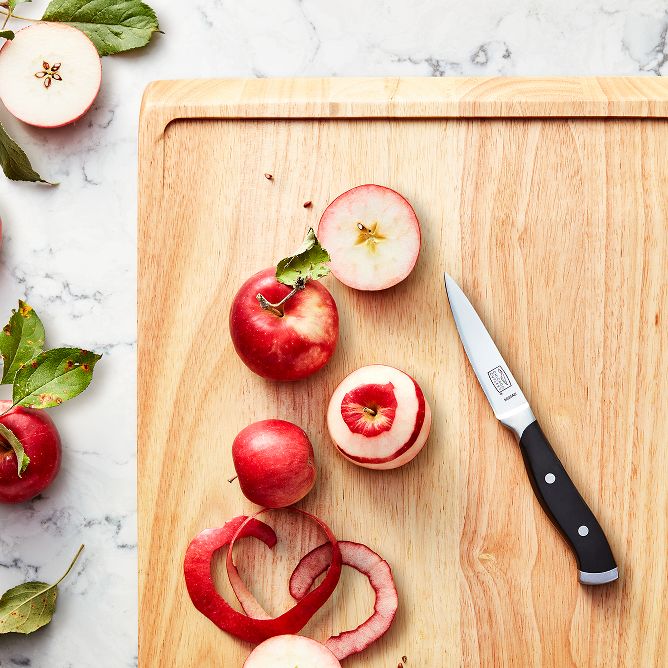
{"x":14,"y":161}
{"x":6,"y":34}
{"x":112,"y":25}
{"x":53,"y":377}
{"x":21,"y":457}
{"x":309,"y":262}
{"x":21,"y":339}
{"x":31,"y":605}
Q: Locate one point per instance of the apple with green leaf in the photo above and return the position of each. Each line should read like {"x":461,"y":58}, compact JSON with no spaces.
{"x":30,"y":450}
{"x":40,"y":443}
{"x":284,"y":323}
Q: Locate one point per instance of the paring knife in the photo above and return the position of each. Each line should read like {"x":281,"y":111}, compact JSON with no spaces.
{"x":555,"y":490}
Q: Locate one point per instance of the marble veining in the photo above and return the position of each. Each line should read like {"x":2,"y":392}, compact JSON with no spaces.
{"x":71,"y":250}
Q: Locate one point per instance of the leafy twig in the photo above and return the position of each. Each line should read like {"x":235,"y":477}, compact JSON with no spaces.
{"x":39,"y":379}
{"x":309,"y":262}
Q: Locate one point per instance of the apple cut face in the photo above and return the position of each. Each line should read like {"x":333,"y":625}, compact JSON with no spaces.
{"x":378,"y":417}
{"x":291,"y":651}
{"x":50,"y":74}
{"x":372,"y":236}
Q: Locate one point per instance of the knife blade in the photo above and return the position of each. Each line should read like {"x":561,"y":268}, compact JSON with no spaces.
{"x":553,"y":487}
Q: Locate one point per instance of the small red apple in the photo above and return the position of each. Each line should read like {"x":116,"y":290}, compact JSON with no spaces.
{"x":372,"y":235}
{"x":288,"y":343}
{"x":50,"y":74}
{"x":291,"y":651}
{"x":378,"y":417}
{"x":274,"y":461}
{"x":40,"y":440}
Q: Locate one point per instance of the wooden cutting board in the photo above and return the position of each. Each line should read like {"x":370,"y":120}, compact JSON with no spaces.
{"x":547,"y":199}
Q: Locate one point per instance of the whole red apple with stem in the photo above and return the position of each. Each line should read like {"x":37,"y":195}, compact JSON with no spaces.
{"x":274,"y":462}
{"x":284,"y":324}
{"x":41,"y":443}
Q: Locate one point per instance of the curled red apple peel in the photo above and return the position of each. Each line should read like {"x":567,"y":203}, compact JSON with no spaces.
{"x":203,"y":593}
{"x":199,"y":581}
{"x":377,"y":570}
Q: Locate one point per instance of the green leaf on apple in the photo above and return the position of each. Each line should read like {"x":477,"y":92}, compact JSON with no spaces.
{"x":6,"y":34}
{"x":21,"y":457}
{"x":112,"y":25}
{"x":30,"y":606}
{"x":21,"y":339}
{"x":14,"y":161}
{"x":309,"y":262}
{"x":53,"y":377}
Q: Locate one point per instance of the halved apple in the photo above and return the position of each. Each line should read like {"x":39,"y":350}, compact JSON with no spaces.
{"x":378,"y":417}
{"x":291,"y":651}
{"x":50,"y":74}
{"x":372,"y":235}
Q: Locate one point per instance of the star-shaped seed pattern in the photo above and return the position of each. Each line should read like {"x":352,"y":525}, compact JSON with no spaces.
{"x":49,"y":73}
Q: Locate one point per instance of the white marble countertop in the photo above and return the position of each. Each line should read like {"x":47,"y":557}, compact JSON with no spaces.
{"x":70,"y":251}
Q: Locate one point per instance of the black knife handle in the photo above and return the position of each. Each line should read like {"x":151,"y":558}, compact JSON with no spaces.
{"x":566,"y":508}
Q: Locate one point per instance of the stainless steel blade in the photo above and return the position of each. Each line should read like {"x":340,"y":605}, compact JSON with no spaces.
{"x":498,"y":383}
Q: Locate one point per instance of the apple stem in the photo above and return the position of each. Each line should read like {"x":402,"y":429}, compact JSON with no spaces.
{"x":276,"y":308}
{"x":370,"y":411}
{"x":232,"y":479}
{"x":71,"y":566}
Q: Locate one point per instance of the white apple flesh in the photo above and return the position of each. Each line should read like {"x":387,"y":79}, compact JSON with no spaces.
{"x":373,"y":237}
{"x":291,"y":651}
{"x":50,"y":74}
{"x":378,"y":417}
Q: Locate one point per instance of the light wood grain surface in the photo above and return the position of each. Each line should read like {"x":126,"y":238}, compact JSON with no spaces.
{"x":553,"y":216}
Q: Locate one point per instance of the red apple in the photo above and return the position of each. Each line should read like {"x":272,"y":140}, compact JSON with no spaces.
{"x":274,"y":461}
{"x":40,"y":440}
{"x":50,"y":74}
{"x":372,"y":235}
{"x":378,"y":417}
{"x":289,"y":344}
{"x":291,"y":652}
